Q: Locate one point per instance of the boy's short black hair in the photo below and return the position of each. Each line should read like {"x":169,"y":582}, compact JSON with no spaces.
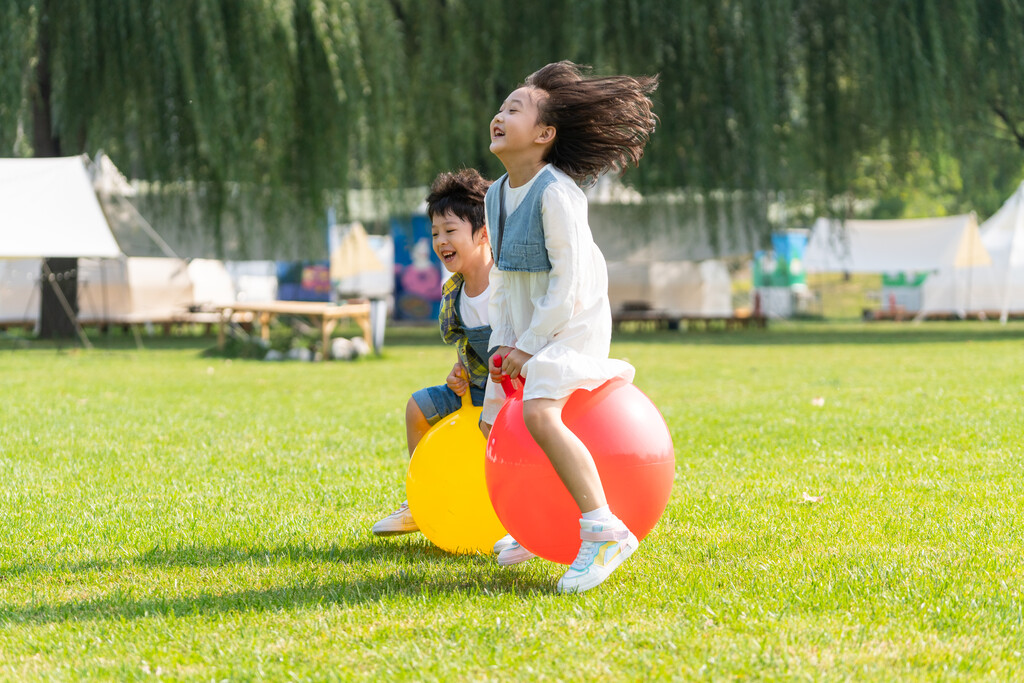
{"x":461,"y":193}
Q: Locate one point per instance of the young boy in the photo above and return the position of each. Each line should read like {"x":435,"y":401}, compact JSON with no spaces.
{"x":455,"y":207}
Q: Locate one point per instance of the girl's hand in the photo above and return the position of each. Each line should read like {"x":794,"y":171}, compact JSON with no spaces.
{"x":513,"y":363}
{"x":496,"y":361}
{"x":457,"y":381}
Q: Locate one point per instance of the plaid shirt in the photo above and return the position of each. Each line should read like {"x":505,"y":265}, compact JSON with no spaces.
{"x":453,"y":331}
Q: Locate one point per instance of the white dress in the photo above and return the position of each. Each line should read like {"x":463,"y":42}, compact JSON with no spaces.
{"x":561,"y":317}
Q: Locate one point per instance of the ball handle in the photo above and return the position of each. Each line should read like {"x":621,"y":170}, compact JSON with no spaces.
{"x":467,"y":399}
{"x":506,"y":381}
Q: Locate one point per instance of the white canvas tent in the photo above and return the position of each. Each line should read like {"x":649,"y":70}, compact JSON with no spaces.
{"x":998,"y":287}
{"x":110,"y":291}
{"x":19,"y":290}
{"x":890,"y":246}
{"x":253,"y":280}
{"x":134,"y":290}
{"x":211,"y":283}
{"x":130,"y":290}
{"x":53,"y":208}
{"x":49,"y":209}
{"x":676,"y":288}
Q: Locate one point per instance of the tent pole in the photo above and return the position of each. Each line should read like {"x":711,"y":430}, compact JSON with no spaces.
{"x":970,"y":275}
{"x":1004,"y":315}
{"x":103,"y":292}
{"x":138,"y":337}
{"x":1013,"y":253}
{"x":148,"y":229}
{"x":66,"y":306}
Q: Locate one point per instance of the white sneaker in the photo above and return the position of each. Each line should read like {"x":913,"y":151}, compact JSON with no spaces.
{"x":398,"y":522}
{"x":513,"y":554}
{"x":503,"y":542}
{"x":605,"y":546}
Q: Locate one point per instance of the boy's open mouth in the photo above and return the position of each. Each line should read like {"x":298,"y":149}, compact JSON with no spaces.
{"x":447,"y":256}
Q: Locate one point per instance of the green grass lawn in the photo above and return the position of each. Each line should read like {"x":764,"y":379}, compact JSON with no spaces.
{"x":169,"y":514}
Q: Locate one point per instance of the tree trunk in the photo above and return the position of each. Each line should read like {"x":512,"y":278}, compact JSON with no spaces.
{"x":54,"y":321}
{"x":45,"y":141}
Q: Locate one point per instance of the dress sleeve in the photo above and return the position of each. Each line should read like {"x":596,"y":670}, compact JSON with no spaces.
{"x":560,"y":215}
{"x":502,"y":333}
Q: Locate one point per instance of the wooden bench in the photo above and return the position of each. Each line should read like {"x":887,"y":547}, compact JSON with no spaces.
{"x":328,"y":316}
{"x":674,"y":321}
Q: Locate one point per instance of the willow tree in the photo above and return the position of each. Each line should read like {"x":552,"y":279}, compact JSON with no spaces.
{"x":209,"y":98}
{"x":293,"y":96}
{"x":814,"y":100}
{"x":816,"y":103}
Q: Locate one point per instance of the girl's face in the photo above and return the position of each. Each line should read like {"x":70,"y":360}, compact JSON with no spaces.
{"x":455,"y":244}
{"x":516,"y":126}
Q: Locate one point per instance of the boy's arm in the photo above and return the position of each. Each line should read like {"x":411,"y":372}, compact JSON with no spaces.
{"x":457,"y":379}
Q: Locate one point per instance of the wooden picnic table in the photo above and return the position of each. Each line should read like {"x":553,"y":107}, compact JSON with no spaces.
{"x":328,"y":316}
{"x":675,"y":321}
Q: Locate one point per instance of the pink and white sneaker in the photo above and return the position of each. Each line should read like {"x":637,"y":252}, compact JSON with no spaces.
{"x":502,"y":543}
{"x":513,"y":554}
{"x":606,"y":545}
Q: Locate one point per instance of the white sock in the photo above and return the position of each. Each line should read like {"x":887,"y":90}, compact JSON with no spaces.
{"x":601,"y":514}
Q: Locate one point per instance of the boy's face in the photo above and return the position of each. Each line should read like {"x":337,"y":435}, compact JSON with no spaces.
{"x":517,"y":125}
{"x":456,"y":245}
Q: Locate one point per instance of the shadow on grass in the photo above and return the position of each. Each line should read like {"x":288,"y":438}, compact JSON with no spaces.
{"x":792,"y":334}
{"x":399,"y":568}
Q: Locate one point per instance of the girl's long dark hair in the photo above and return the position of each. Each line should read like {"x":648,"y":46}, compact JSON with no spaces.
{"x":601,"y":123}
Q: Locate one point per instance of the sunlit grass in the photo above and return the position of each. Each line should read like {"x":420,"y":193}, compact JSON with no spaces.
{"x":166,"y":513}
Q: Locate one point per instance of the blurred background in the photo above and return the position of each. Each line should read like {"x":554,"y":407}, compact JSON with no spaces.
{"x":258,"y":133}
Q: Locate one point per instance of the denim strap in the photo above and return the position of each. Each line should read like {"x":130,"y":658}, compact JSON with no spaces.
{"x":501,"y":218}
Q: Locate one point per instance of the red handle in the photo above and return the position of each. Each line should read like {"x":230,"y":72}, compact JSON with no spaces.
{"x":506,"y":381}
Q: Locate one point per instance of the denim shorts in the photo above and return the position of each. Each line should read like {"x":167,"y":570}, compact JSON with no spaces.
{"x":440,"y":401}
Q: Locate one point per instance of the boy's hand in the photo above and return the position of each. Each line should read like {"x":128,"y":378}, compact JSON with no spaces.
{"x":457,"y":381}
{"x":512,"y":364}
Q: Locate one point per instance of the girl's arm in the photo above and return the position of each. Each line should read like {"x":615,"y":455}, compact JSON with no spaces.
{"x":561,"y":214}
{"x":502,"y":333}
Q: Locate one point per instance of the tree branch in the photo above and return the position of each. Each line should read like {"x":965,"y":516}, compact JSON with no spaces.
{"x":1017,"y":134}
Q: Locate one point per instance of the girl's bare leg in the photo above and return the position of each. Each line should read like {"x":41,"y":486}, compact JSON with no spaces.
{"x":569,"y":456}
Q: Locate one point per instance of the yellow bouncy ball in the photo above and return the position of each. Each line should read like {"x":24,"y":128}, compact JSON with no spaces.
{"x":446,"y":488}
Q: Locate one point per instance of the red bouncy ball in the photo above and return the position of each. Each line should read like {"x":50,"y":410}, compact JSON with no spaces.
{"x":631,"y":446}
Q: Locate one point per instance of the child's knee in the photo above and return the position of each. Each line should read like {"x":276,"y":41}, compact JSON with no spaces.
{"x":538,"y":417}
{"x":413,"y":414}
{"x":485,"y":429}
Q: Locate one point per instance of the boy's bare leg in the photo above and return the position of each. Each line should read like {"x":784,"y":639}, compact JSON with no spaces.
{"x":415,"y":425}
{"x":568,"y":455}
{"x":400,"y":521}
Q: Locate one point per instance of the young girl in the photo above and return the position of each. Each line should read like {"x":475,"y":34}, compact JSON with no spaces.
{"x":549,"y":308}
